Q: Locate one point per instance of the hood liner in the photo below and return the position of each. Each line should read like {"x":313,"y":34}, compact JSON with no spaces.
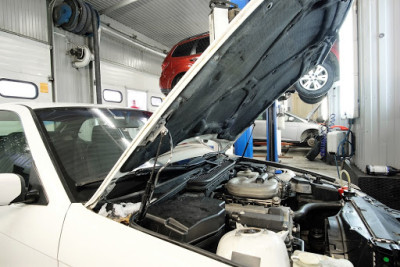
{"x":266,"y":54}
{"x":267,"y":48}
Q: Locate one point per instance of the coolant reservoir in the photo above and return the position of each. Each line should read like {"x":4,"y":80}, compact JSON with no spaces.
{"x":254,"y":247}
{"x":307,"y":259}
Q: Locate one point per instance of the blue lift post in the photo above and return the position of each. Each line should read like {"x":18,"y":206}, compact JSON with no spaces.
{"x":272,"y":136}
{"x":246,"y":138}
{"x":240,"y":3}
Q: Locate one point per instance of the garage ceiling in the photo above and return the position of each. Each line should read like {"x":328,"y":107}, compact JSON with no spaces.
{"x":165,"y":21}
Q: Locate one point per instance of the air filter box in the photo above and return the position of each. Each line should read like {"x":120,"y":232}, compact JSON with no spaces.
{"x":189,"y":219}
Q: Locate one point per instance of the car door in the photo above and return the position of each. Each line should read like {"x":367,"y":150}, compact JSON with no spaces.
{"x":290,"y":132}
{"x":182,"y":57}
{"x":29,"y":233}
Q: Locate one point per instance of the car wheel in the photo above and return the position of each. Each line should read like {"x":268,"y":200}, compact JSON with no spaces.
{"x":312,"y":100}
{"x":316,"y":82}
{"x":313,"y":153}
{"x":311,"y":141}
{"x":177,"y":79}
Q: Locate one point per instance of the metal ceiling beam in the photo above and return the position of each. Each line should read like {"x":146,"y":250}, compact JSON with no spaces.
{"x":121,"y":4}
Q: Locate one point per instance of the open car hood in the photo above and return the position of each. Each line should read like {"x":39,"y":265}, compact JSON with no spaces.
{"x":268,"y":47}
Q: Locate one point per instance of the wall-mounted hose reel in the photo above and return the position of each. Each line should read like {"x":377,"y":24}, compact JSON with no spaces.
{"x":75,"y":16}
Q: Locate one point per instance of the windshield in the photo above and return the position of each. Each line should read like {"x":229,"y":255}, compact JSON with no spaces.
{"x":87,"y":142}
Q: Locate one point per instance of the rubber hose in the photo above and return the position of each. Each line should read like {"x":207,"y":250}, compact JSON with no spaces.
{"x":302,"y":213}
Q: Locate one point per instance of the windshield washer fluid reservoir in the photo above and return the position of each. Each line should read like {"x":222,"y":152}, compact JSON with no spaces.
{"x":254,"y":247}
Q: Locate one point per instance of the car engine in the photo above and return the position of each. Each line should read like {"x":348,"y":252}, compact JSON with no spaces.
{"x":250,"y":211}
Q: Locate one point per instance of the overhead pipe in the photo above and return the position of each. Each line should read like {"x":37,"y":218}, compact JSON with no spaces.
{"x":96,"y":51}
{"x":111,"y":31}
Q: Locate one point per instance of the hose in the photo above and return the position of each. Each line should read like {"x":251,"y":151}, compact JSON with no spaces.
{"x":348,"y":179}
{"x":302,"y":213}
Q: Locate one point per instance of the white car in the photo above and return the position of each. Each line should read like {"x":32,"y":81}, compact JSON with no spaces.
{"x":296,"y":130}
{"x":76,"y":191}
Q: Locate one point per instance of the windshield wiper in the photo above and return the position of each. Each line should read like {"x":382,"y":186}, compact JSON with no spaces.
{"x":87,"y":182}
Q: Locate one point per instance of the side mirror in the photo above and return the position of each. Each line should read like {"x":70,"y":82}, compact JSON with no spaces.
{"x":291,"y":119}
{"x":12,"y":186}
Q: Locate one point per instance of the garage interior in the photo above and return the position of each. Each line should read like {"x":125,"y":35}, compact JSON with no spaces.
{"x":358,"y":118}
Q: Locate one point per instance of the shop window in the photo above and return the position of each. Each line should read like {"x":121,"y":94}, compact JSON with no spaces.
{"x":18,"y":89}
{"x":156,"y":101}
{"x":112,"y":96}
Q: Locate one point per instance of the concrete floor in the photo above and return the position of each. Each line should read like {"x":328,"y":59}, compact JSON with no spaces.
{"x":296,"y":156}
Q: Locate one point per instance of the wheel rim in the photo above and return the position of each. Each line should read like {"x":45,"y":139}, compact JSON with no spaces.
{"x":311,"y":142}
{"x":315,"y":79}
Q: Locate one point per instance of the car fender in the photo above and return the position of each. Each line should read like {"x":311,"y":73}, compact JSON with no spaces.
{"x":306,"y":133}
{"x":89,"y":239}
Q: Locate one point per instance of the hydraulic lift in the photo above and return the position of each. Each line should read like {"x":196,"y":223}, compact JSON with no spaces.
{"x":222,"y":12}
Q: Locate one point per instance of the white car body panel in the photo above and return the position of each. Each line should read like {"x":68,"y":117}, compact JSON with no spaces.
{"x":18,"y":220}
{"x":89,"y":239}
{"x":43,"y":235}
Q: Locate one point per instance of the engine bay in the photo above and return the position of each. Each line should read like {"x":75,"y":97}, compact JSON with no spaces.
{"x":253,"y":212}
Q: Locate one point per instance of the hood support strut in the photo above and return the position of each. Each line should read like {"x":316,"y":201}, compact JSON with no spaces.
{"x":151,"y":184}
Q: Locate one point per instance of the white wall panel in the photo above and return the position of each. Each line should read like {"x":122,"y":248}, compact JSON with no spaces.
{"x":121,"y":52}
{"x":121,"y":78}
{"x":26,"y":60}
{"x":72,"y":85}
{"x":378,"y":128}
{"x":25,"y":17}
{"x":113,"y":74}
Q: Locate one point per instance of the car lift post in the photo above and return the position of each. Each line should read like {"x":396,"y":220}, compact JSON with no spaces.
{"x":218,"y":23}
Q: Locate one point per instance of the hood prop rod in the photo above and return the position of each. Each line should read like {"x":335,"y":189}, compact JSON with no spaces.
{"x":248,"y":140}
{"x":150,"y":186}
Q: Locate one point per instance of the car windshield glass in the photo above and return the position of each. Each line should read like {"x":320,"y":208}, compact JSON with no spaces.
{"x":87,"y":142}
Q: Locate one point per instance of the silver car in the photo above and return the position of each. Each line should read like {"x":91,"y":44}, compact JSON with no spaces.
{"x":296,"y":130}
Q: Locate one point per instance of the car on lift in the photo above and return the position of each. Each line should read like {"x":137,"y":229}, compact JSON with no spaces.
{"x":171,"y":200}
{"x":311,"y":87}
{"x":180,"y":58}
{"x":296,"y":130}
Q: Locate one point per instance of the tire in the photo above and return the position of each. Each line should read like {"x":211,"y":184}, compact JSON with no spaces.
{"x":317,"y":81}
{"x":313,"y":153}
{"x":312,"y":100}
{"x":176,"y":80}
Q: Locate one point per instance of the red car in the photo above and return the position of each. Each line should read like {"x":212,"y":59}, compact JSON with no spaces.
{"x":312,"y":87}
{"x":180,"y":59}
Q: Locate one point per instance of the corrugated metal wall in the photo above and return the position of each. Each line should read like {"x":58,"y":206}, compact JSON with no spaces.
{"x":25,"y":60}
{"x":378,"y":128}
{"x":121,"y":52}
{"x":129,"y":78}
{"x":25,"y":17}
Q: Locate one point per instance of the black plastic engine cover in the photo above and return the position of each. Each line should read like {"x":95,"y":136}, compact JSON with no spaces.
{"x":366,"y":232}
{"x":189,"y":219}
